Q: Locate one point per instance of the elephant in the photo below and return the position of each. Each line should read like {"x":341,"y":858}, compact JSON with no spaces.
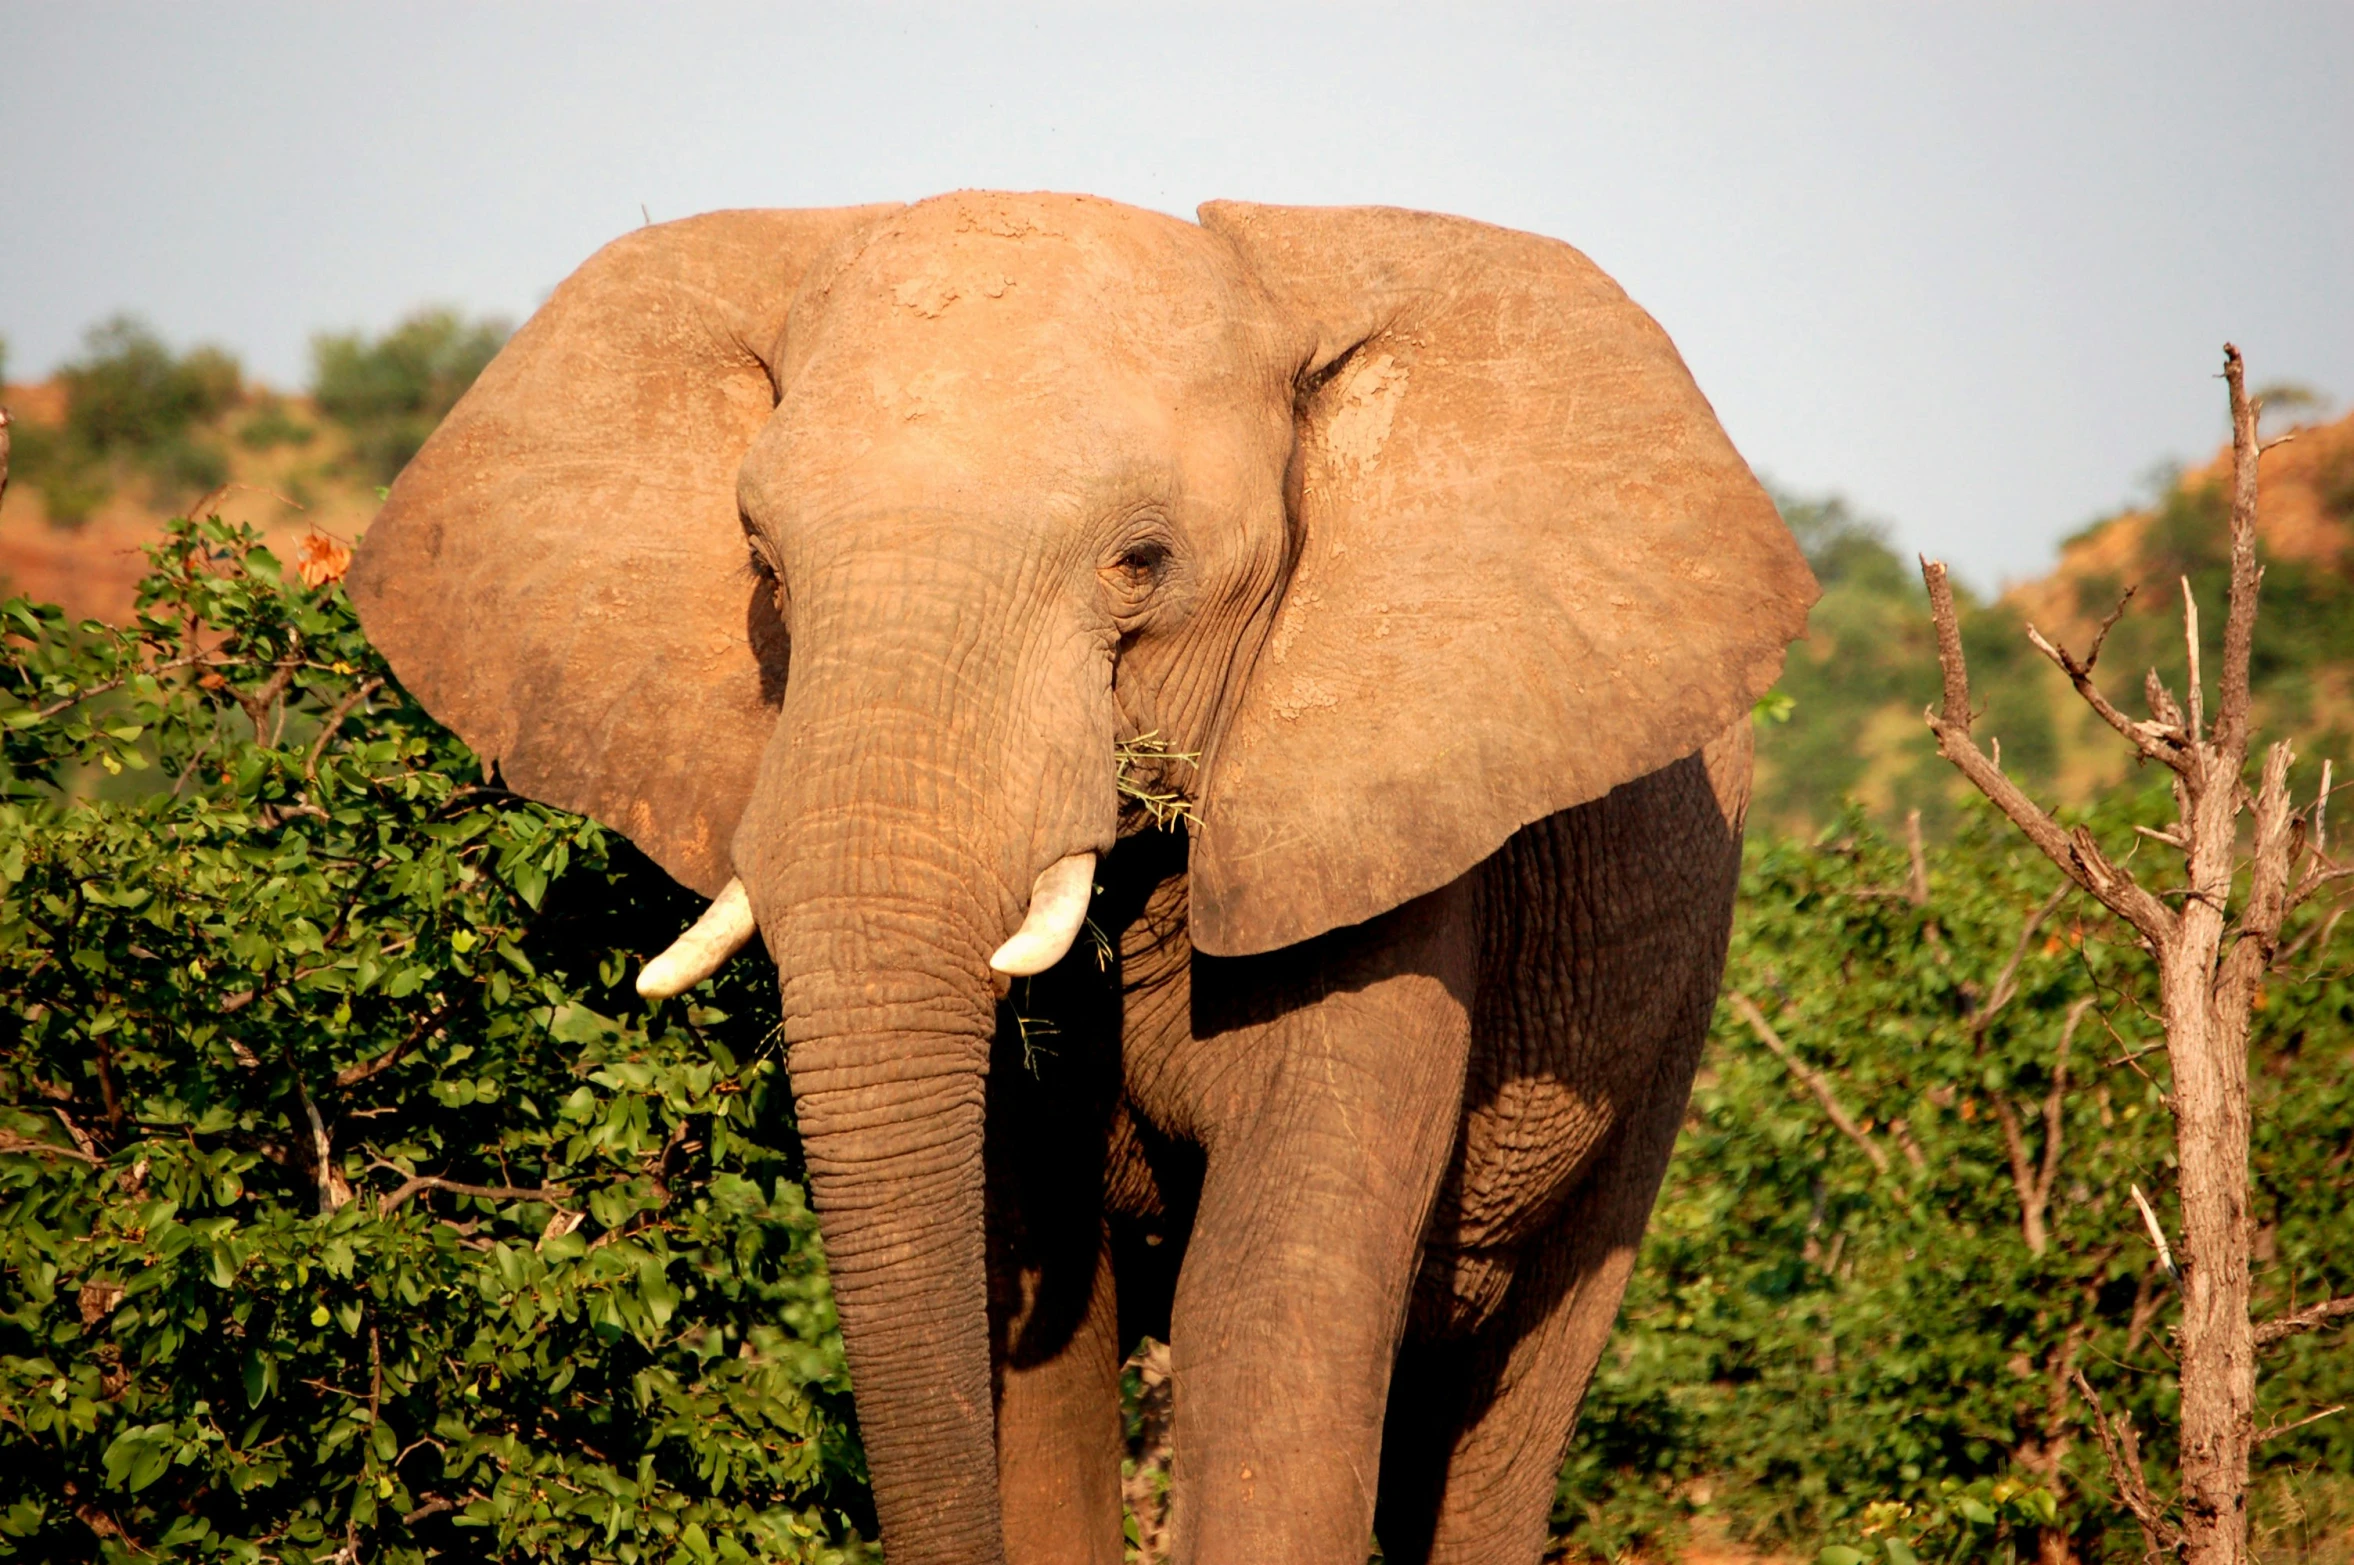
{"x":867,"y":566}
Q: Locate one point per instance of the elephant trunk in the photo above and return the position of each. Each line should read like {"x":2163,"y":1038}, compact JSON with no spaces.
{"x":889,"y":850}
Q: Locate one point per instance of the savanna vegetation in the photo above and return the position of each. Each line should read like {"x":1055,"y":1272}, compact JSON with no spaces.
{"x":356,"y":1208}
{"x":136,"y":413}
{"x":1848,"y":721}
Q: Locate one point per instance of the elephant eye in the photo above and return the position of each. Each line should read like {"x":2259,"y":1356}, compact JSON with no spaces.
{"x":1142,"y":563}
{"x":760,"y":568}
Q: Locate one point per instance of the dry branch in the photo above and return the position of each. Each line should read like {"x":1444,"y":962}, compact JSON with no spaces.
{"x":2033,"y":1178}
{"x":352,"y":1075}
{"x":2006,"y":982}
{"x":2297,"y":1322}
{"x":2275,"y":1430}
{"x":551,"y":1195}
{"x":10,"y":1141}
{"x":359,"y":692}
{"x":2121,"y":1449}
{"x":2076,"y":854}
{"x":1813,"y":1080}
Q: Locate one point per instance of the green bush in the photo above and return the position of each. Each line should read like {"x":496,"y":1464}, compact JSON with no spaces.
{"x":272,"y":426}
{"x":1829,"y":1346}
{"x":129,"y":392}
{"x":129,"y":398}
{"x":390,"y":392}
{"x":352,"y":1202}
{"x":1868,"y":658}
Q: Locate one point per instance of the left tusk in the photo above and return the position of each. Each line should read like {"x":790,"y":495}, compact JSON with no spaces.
{"x":1058,"y":906}
{"x":723,"y":930}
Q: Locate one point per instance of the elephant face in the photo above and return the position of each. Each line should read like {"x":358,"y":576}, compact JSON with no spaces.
{"x":1412,"y":529}
{"x":1049,"y":438}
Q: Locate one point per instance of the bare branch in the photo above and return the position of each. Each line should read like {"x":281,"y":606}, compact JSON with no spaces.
{"x":2006,"y":983}
{"x":2321,"y":811}
{"x":2163,"y":707}
{"x":10,"y":1141}
{"x":2156,"y":740}
{"x":2263,"y":1435}
{"x":2194,"y":684}
{"x":1813,"y":1080}
{"x":333,"y":1191}
{"x":81,"y":1136}
{"x":2022,"y":1175}
{"x":2077,"y":855}
{"x":1917,"y":888}
{"x":2100,"y":637}
{"x":257,"y":706}
{"x":551,"y":1195}
{"x":1903,"y":1134}
{"x":105,"y":686}
{"x":2033,"y":1183}
{"x":2311,"y":1318}
{"x":359,"y":693}
{"x":2239,"y":631}
{"x":352,"y":1075}
{"x":2122,"y":1449}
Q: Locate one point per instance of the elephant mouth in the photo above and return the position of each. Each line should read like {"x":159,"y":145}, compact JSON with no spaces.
{"x":1058,"y":907}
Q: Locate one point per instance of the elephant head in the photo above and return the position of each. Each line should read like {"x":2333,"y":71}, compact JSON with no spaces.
{"x":829,"y":554}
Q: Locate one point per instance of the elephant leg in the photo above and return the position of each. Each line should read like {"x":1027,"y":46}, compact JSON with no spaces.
{"x":1328,"y":1123}
{"x":1478,"y":1426}
{"x":1054,"y":1308}
{"x":1058,"y":1431}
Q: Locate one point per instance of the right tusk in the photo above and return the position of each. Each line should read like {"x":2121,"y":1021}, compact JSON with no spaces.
{"x":1058,"y":906}
{"x":723,"y":930}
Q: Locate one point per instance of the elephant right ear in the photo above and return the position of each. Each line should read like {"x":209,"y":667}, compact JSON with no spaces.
{"x":1530,"y":567}
{"x":560,"y":575}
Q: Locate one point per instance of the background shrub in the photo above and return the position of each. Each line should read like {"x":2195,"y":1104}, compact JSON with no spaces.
{"x":1860,"y":1351}
{"x":353,"y":1206}
{"x":130,"y":400}
{"x":391,"y":391}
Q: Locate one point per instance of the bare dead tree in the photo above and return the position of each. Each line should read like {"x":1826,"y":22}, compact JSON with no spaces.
{"x":2210,"y":959}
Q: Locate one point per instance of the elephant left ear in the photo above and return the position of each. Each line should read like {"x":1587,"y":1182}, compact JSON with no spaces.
{"x":1531,"y":568}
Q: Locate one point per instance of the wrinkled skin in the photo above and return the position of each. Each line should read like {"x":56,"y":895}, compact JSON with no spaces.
{"x":1415,"y":534}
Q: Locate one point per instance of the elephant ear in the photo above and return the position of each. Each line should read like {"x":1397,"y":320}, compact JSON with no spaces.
{"x":560,"y":575}
{"x":1530,"y":567}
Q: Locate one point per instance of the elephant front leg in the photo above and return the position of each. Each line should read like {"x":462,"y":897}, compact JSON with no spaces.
{"x":1058,"y":1419}
{"x":1329,"y":1128}
{"x":1053,"y":1308}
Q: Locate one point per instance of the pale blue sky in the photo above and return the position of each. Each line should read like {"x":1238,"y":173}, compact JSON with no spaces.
{"x":1970,"y":265}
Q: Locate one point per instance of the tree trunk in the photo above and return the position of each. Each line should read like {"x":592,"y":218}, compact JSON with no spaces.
{"x":2207,"y":1045}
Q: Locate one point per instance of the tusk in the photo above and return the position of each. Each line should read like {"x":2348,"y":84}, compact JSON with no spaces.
{"x":1058,"y":906}
{"x":723,"y":930}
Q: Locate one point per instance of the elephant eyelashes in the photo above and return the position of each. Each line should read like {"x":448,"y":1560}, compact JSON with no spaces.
{"x":1138,"y":571}
{"x":761,"y":569}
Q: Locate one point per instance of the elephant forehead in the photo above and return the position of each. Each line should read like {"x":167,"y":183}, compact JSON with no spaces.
{"x":1044,"y":290}
{"x":981,"y":345}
